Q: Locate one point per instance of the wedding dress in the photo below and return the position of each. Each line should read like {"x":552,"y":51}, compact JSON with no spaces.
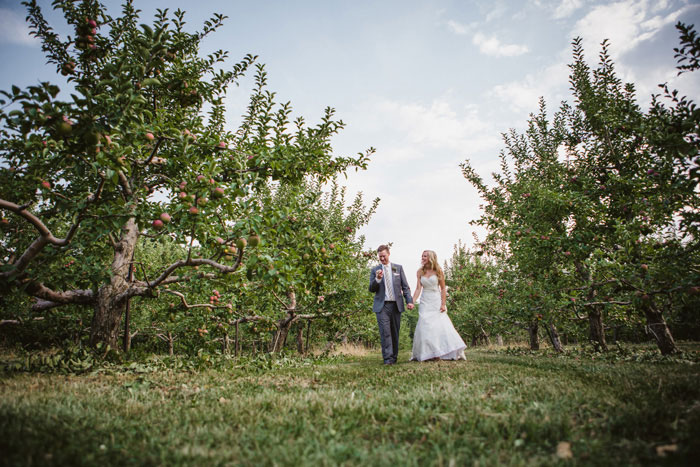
{"x":435,"y":335}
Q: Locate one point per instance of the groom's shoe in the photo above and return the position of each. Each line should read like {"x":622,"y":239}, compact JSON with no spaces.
{"x":390,"y":363}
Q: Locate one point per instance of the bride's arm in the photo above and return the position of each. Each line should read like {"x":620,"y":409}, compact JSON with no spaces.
{"x":443,"y":295}
{"x":419,"y":287}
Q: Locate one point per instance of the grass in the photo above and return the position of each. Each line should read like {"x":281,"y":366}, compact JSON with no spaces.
{"x":493,"y":409}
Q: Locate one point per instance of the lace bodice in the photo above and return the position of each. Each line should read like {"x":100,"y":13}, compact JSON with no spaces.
{"x":430,"y":283}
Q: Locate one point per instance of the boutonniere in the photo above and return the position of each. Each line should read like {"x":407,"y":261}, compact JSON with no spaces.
{"x":394,"y":270}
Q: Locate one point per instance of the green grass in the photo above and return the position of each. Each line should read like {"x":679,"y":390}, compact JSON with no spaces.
{"x":493,"y":409}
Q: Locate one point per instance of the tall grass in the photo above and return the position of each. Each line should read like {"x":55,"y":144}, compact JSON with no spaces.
{"x":493,"y":409}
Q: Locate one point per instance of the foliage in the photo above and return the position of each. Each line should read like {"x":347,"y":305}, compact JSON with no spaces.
{"x":594,"y":211}
{"x":140,"y":149}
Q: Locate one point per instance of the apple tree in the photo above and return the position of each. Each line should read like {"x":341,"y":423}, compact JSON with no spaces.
{"x":138,"y":148}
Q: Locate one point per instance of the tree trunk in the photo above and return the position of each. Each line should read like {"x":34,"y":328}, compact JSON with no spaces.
{"x":300,"y":339}
{"x":127,"y":313}
{"x":308,"y":334}
{"x":485,"y":337}
{"x":554,"y":337}
{"x":111,"y":304}
{"x":237,"y":344}
{"x":534,"y":338}
{"x":226,"y":343}
{"x":656,"y":324}
{"x":170,"y":344}
{"x":281,"y":334}
{"x":596,"y":331}
{"x":499,"y":340}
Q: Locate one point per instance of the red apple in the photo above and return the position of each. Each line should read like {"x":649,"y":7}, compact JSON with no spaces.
{"x":182,"y":195}
{"x":202,"y":201}
{"x":165,"y":217}
{"x":46,"y":184}
{"x":217,"y":192}
{"x":183,"y":184}
{"x":222,"y":145}
{"x":194,"y":210}
{"x":150,"y":137}
{"x":158,"y":224}
{"x":220,"y":240}
{"x":644,"y":267}
{"x":200,"y":178}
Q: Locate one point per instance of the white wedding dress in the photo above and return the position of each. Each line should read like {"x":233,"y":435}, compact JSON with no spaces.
{"x":435,"y":336}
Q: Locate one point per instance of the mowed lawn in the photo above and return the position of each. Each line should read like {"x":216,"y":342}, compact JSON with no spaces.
{"x":493,"y":409}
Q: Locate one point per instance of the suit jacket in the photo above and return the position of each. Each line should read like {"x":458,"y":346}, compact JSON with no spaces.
{"x":401,"y":289}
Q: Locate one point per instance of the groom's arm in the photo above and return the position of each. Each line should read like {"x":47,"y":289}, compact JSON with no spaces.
{"x":405,"y":288}
{"x":373,"y":282}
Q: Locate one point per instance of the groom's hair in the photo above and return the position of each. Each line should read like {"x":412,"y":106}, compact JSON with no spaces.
{"x":382,"y":248}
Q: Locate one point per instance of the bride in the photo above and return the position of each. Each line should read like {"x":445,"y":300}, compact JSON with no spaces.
{"x":435,"y":336}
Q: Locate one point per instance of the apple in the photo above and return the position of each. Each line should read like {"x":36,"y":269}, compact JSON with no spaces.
{"x":194,"y":210}
{"x":241,"y":243}
{"x":212,"y":181}
{"x":150,"y":137}
{"x":644,"y":267}
{"x":64,"y":128}
{"x":182,"y":195}
{"x":220,"y":240}
{"x":254,"y":240}
{"x":222,"y":145}
{"x":217,"y":192}
{"x":92,"y":23}
{"x":202,"y":201}
{"x":165,"y":217}
{"x":567,"y":253}
{"x":323,"y":250}
{"x":200,"y":177}
{"x":158,"y":224}
{"x":183,"y":184}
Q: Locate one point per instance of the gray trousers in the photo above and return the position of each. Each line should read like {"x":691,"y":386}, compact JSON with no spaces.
{"x":389,"y":321}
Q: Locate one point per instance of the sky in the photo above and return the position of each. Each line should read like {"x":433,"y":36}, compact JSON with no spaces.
{"x":428,"y":83}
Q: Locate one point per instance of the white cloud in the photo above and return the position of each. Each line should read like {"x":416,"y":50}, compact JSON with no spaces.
{"x":566,"y":8}
{"x":457,"y":28}
{"x":415,"y":128}
{"x":493,"y":46}
{"x":626,"y":24}
{"x":13,"y":29}
{"x":425,"y":201}
{"x":523,"y":95}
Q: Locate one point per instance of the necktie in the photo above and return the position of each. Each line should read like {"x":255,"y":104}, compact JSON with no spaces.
{"x":388,"y":284}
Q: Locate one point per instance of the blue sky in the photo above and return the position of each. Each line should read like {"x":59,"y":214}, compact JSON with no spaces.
{"x":427,"y":83}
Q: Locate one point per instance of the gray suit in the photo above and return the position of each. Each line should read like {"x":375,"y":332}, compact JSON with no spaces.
{"x":389,"y":312}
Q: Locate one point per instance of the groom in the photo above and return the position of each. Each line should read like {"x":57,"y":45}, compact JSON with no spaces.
{"x":388,"y":282}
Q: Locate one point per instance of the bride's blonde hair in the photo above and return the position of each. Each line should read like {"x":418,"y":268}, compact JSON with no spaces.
{"x":433,"y":265}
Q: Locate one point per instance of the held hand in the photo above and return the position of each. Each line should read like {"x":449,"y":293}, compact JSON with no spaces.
{"x":380,"y":273}
{"x":409,"y":306}
{"x":443,"y":308}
